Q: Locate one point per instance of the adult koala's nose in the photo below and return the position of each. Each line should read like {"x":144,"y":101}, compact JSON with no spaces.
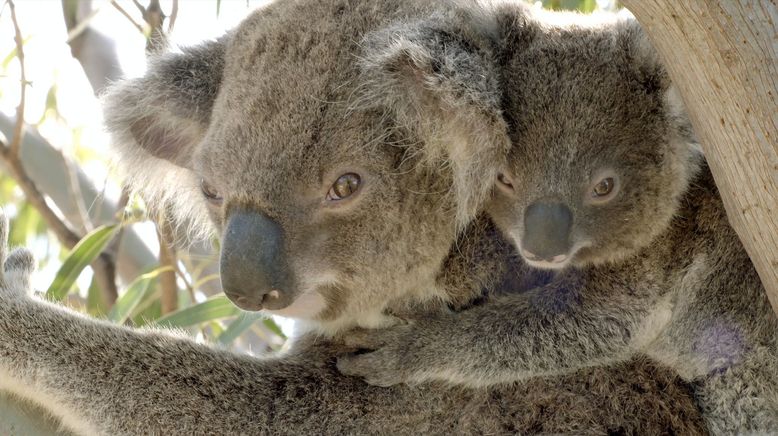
{"x":253,"y":267}
{"x":547,"y":228}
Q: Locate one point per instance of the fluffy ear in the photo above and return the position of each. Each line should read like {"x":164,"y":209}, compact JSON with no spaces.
{"x":438,"y":79}
{"x":649,"y":69}
{"x":165,"y":113}
{"x":157,"y":120}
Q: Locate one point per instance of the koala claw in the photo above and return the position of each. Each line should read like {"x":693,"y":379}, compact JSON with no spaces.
{"x":390,"y":361}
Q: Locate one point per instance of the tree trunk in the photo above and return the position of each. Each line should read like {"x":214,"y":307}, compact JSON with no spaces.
{"x":723,"y":56}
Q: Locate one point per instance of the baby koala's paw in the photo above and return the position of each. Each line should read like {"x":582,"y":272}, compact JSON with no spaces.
{"x":17,"y":267}
{"x":388,"y":356}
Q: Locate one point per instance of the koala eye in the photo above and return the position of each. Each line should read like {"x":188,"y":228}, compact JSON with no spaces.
{"x":210,"y":193}
{"x":344,"y":187}
{"x":603,"y":187}
{"x":505,"y":182}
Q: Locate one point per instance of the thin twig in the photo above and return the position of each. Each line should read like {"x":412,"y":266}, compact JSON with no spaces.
{"x":173,"y":16}
{"x":167,"y":258}
{"x":19,"y":127}
{"x":140,"y":7}
{"x":126,"y":14}
{"x":78,"y":198}
{"x":121,"y":216}
{"x":185,"y":280}
{"x":2,"y":10}
{"x":103,"y":266}
{"x":65,"y":234}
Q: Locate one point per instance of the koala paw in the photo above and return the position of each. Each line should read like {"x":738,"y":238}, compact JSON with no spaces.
{"x":391,"y":361}
{"x":17,"y":266}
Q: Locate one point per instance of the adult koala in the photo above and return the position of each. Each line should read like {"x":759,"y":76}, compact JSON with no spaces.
{"x":331,"y":211}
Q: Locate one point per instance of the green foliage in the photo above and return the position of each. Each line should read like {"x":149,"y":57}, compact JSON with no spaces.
{"x":571,"y":5}
{"x":136,"y":292}
{"x":212,"y":309}
{"x":84,"y":253}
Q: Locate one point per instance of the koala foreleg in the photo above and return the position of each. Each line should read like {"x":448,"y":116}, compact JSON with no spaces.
{"x":100,"y":378}
{"x":572,"y":323}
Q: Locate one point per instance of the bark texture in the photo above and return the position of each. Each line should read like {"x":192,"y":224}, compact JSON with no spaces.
{"x":723,"y":56}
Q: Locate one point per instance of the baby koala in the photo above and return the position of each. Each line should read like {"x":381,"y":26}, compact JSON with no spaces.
{"x":605,"y":185}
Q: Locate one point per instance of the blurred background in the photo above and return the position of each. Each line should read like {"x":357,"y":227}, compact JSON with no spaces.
{"x":98,"y":249}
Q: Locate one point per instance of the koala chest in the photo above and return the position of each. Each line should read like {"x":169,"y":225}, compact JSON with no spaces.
{"x":653,"y":326}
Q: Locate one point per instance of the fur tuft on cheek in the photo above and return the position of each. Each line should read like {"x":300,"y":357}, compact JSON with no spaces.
{"x":170,"y":190}
{"x":157,"y":121}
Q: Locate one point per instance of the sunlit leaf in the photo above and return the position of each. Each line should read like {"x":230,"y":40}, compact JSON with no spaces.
{"x":215,"y":329}
{"x":52,"y":107}
{"x":148,"y":311}
{"x":95,"y":303}
{"x":27,"y":223}
{"x":215,"y":308}
{"x":7,"y":189}
{"x":135,"y":293}
{"x":588,"y":6}
{"x":82,"y":255}
{"x":209,"y":278}
{"x":10,"y":56}
{"x":273,"y":327}
{"x":239,"y":325}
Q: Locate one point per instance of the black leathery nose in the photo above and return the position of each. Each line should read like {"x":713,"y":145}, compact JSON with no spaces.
{"x":253,"y":267}
{"x":547,"y":229}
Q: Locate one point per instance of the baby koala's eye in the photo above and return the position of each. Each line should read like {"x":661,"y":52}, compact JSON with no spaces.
{"x":344,"y":187}
{"x":505,"y":182}
{"x":210,"y":193}
{"x":604,"y":187}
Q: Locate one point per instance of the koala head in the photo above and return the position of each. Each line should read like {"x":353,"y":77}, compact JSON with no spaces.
{"x":298,"y":139}
{"x":601,"y":148}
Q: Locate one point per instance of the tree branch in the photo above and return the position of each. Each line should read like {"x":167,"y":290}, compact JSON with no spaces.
{"x":721,"y":54}
{"x":13,"y":149}
{"x":127,"y":15}
{"x":173,"y":15}
{"x":94,"y":51}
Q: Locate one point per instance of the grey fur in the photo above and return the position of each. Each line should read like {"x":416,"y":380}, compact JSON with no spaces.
{"x":286,"y":119}
{"x":656,"y":270}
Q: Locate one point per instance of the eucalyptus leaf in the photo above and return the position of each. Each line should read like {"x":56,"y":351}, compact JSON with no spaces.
{"x":215,"y":308}
{"x":273,"y":327}
{"x":135,"y":293}
{"x":95,"y":303}
{"x":239,"y":325}
{"x":82,"y":255}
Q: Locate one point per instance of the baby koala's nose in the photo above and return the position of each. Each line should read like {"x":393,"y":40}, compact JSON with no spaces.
{"x":560,"y":258}
{"x":547,"y":228}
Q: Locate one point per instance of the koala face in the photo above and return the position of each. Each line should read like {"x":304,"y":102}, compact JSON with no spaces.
{"x":600,"y":152}
{"x":309,"y":225}
{"x":300,"y":137}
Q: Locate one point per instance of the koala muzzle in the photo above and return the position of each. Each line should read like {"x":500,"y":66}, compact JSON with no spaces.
{"x":253,"y":267}
{"x":547,"y":229}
